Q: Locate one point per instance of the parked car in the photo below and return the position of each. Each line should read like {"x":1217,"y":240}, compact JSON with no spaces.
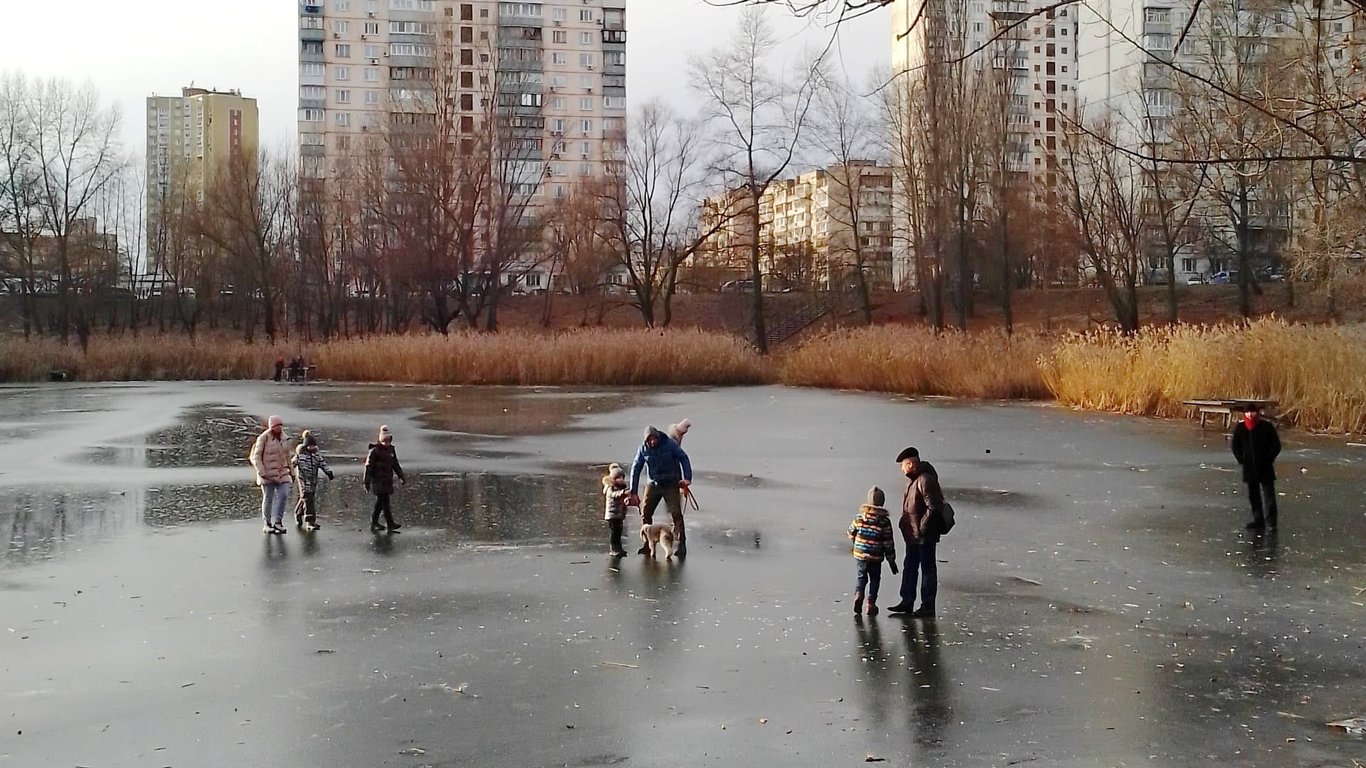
{"x":737,"y":286}
{"x":1196,"y":280}
{"x":1224,"y":277}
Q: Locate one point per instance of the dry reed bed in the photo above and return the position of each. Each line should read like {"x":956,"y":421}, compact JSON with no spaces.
{"x":917,"y":361}
{"x":601,"y":357}
{"x":1316,"y":373}
{"x":608,"y":358}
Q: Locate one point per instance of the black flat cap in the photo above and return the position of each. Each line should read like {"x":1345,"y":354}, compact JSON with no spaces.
{"x":907,"y":453}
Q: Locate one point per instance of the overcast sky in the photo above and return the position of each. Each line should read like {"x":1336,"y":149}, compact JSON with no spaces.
{"x":131,"y":50}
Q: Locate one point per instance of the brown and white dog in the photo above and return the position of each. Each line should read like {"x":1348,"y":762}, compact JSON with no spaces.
{"x":658,"y":534}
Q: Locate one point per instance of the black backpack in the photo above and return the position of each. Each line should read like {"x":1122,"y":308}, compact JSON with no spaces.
{"x":943,"y":523}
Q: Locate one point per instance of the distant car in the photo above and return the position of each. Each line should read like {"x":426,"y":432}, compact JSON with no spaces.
{"x":737,"y":286}
{"x":1195,"y":280}
{"x":1224,"y":278}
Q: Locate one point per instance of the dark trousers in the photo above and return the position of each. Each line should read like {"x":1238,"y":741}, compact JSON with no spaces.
{"x":921,"y":566}
{"x":382,"y":505}
{"x":1256,"y":490}
{"x":304,"y":509}
{"x":616,"y":528}
{"x":673,"y":500}
{"x":870,"y":574}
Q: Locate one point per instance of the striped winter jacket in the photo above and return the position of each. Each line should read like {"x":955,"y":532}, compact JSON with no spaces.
{"x":306,"y":468}
{"x":872,"y":534}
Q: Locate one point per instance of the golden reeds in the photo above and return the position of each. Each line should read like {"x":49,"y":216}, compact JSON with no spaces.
{"x":1316,"y":373}
{"x":918,"y":361}
{"x":608,"y":358}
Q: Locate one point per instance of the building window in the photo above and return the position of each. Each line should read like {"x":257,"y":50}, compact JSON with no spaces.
{"x":372,"y":27}
{"x":614,"y":102}
{"x":411,"y":28}
{"x":311,"y":115}
{"x":342,"y":119}
{"x":343,"y":50}
{"x":585,"y":38}
{"x":556,"y":57}
{"x":409,"y":49}
{"x":586,"y":103}
{"x":343,"y":96}
{"x":559,"y":36}
{"x":372,"y":97}
{"x":530,"y":10}
{"x":372,"y":51}
{"x":312,"y":69}
{"x":372,"y":74}
{"x":614,"y":58}
{"x":341,"y":73}
{"x":343,"y":5}
{"x":557,"y":103}
{"x":586,"y":60}
{"x":1157,"y":15}
{"x":314,"y":92}
{"x":586,"y":127}
{"x":586,"y":14}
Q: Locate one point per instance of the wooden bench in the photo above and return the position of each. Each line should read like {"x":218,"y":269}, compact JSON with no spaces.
{"x":1226,"y":410}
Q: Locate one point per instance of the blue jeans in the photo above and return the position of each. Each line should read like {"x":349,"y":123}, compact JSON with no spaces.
{"x":273,"y":498}
{"x":870,"y":575}
{"x":920,"y":558}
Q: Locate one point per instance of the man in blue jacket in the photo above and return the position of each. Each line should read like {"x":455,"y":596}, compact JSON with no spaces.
{"x":670,"y":474}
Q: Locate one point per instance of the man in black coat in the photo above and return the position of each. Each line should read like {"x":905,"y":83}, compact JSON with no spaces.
{"x":1256,"y":445}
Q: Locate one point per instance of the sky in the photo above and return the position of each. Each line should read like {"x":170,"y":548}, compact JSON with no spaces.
{"x":131,"y":50}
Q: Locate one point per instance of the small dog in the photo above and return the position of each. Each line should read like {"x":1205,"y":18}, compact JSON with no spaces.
{"x":661,"y":534}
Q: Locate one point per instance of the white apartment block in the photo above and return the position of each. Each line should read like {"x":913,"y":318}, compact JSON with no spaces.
{"x":1037,"y":47}
{"x":1130,"y":51}
{"x":556,"y":69}
{"x":189,"y":138}
{"x":833,"y":214}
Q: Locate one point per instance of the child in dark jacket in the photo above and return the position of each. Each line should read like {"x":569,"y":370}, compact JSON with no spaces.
{"x":308,"y":462}
{"x":381,"y":467}
{"x":871,"y":533}
{"x":616,"y":493}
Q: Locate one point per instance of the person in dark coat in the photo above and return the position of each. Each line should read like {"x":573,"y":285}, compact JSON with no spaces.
{"x":921,"y":507}
{"x":381,"y":467}
{"x":1256,"y":445}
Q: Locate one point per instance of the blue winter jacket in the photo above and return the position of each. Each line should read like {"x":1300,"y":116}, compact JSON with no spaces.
{"x":666,"y":461}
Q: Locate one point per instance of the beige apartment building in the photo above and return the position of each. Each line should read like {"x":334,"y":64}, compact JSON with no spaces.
{"x":191,"y":137}
{"x":552,"y":74}
{"x":814,"y":229}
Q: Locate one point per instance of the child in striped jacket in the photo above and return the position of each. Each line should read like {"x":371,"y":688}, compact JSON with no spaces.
{"x":307,"y":463}
{"x":871,"y":532}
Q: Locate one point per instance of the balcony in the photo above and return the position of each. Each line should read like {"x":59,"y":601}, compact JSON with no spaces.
{"x":311,"y":8}
{"x":312,"y":35}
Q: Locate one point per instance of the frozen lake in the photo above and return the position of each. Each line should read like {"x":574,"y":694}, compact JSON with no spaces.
{"x":1100,"y":603}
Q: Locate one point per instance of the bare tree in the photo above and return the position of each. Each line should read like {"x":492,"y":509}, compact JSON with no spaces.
{"x":249,"y":214}
{"x":1106,"y":189}
{"x":20,"y":217}
{"x":845,"y":131}
{"x":650,"y":203}
{"x":73,"y":144}
{"x":761,"y":118}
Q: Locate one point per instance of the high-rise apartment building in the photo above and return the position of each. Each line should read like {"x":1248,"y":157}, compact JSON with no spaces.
{"x":814,"y":229}
{"x":1033,"y":46}
{"x":548,"y":78}
{"x":191,"y":137}
{"x":1156,"y":70}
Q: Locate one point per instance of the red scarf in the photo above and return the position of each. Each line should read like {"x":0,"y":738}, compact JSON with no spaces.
{"x":1250,"y":421}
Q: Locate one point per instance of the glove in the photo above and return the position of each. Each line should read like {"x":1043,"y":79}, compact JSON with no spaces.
{"x":331,"y":476}
{"x":892,"y":563}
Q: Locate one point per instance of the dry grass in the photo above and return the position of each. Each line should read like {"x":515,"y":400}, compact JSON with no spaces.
{"x":1317,"y":373}
{"x":917,"y":361}
{"x":609,"y":358}
{"x":603,"y":357}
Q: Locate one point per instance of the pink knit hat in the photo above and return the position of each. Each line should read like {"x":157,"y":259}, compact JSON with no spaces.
{"x":275,"y":421}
